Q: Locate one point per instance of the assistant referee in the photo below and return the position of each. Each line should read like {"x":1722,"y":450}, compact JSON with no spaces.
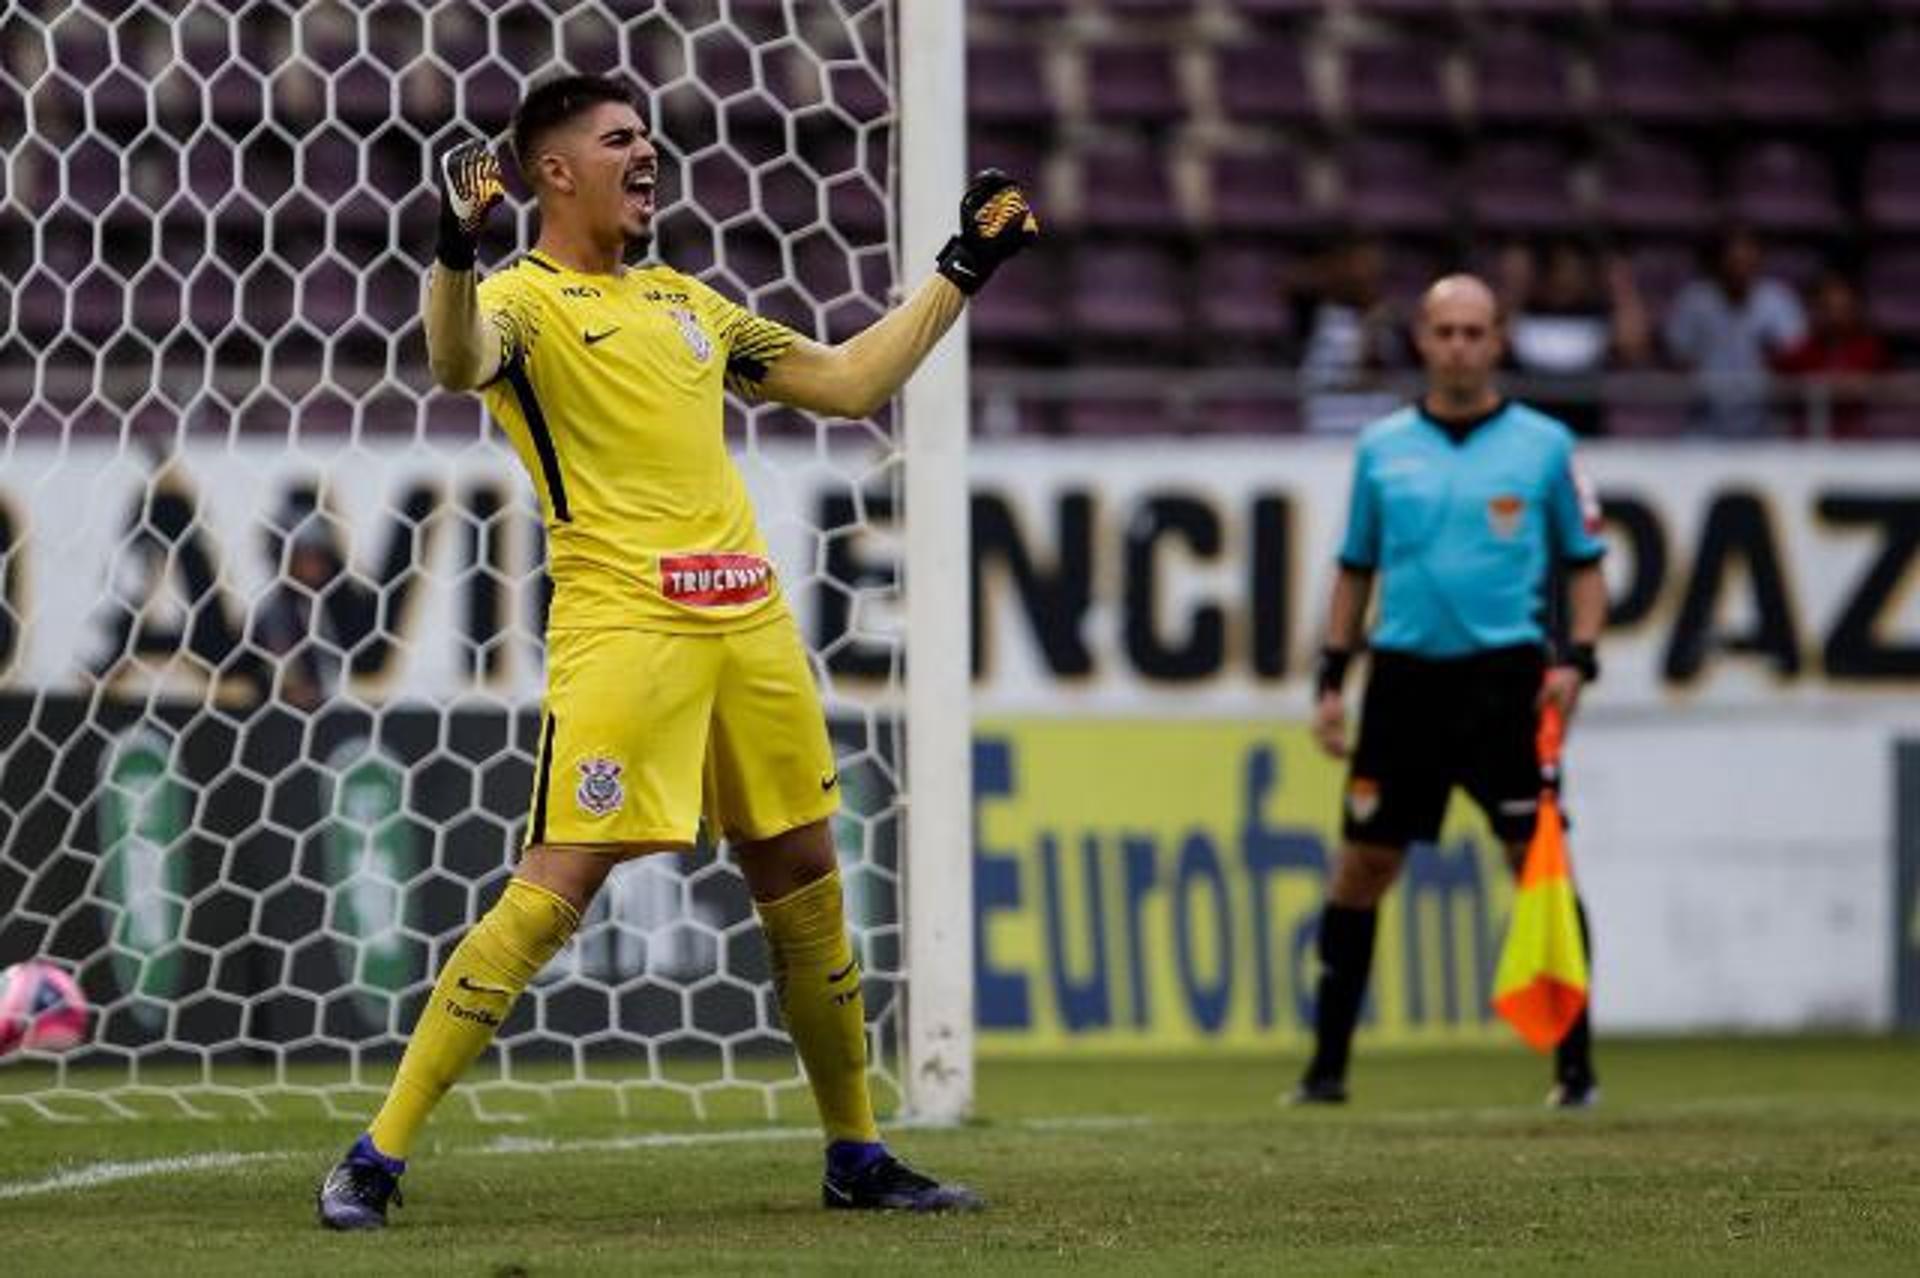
{"x":1462,"y":503}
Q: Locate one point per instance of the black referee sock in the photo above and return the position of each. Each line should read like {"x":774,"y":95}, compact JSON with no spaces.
{"x":1573,"y":1058}
{"x":1346,"y":958}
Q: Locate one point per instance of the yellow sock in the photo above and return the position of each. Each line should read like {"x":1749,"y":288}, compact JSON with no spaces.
{"x":476,"y":989}
{"x":818,"y":981}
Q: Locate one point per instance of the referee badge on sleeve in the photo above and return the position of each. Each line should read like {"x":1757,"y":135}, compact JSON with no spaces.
{"x":600,"y":792}
{"x":1363,"y":799}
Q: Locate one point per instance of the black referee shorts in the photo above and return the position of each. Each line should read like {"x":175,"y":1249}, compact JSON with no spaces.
{"x":1427,"y":726}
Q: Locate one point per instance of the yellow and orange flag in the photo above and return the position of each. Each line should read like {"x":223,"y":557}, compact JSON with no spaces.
{"x":1540,"y":986}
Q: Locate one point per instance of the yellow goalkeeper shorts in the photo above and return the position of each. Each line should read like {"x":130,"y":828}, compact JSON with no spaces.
{"x":645,"y":730}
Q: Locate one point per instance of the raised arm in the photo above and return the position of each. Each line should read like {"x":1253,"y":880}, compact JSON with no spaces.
{"x":856,"y":377}
{"x":464,"y":350}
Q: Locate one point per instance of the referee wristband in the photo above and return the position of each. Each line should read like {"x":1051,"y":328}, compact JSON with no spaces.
{"x":1331,"y":674}
{"x":1582,"y":657}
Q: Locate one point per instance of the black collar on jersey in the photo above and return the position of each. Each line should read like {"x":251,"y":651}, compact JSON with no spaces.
{"x":534,"y":259}
{"x":1458,"y":428}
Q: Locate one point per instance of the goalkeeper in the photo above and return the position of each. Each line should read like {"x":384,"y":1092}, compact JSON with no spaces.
{"x":677,"y":680}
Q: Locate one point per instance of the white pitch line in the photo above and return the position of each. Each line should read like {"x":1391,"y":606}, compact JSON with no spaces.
{"x":92,"y":1174}
{"x":650,"y":1140}
{"x":86,"y":1177}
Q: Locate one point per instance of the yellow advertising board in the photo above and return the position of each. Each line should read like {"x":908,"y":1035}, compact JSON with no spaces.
{"x":1156,"y":886}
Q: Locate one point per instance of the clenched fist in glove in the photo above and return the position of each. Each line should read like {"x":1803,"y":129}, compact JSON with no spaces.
{"x":470,"y":185}
{"x":995,"y":223}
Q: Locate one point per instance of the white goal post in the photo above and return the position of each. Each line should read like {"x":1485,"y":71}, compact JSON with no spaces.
{"x":270,"y":605}
{"x":938,"y":1064}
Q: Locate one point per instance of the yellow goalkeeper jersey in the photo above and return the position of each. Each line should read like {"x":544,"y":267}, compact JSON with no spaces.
{"x":611,"y":392}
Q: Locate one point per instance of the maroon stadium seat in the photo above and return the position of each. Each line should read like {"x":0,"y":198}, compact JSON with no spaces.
{"x":1785,"y":188}
{"x":1150,"y":9}
{"x":1255,"y":415}
{"x":1242,"y":295}
{"x":1665,"y":10}
{"x":1279,"y":9}
{"x":1656,"y":189}
{"x":1260,"y":192}
{"x":1786,"y":79}
{"x":1119,"y":417}
{"x":1399,"y":83}
{"x":1892,"y":187}
{"x":1893,"y":292}
{"x":1133,"y":83}
{"x":1133,"y":293}
{"x":1264,"y":82}
{"x":1025,"y":307}
{"x":1006,"y":84}
{"x":1126,"y":187}
{"x":1412,"y":10}
{"x":1655,"y":77}
{"x":1646,"y":421}
{"x":1025,"y":8}
{"x":1893,"y":76}
{"x":1020,"y":155}
{"x":1396,"y":185}
{"x":1521,"y":187}
{"x":1521,"y":77}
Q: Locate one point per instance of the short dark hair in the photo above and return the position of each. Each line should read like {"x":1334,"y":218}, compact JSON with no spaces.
{"x":551,"y":104}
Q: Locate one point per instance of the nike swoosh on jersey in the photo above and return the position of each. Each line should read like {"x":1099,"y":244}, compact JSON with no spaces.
{"x":468,"y":983}
{"x":591,"y":338}
{"x":828,"y":782}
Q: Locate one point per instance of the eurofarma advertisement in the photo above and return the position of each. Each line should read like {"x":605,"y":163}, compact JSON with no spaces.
{"x":1152,"y":824}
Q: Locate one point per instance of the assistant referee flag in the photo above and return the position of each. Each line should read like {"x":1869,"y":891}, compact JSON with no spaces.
{"x":1541,"y":984}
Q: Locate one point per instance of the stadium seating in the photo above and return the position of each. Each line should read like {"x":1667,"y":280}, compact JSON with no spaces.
{"x":1006,"y":85}
{"x":1655,"y":77}
{"x":1396,"y":185}
{"x":1893,"y":77}
{"x":1125,"y":186}
{"x":1893,"y":291}
{"x":1242,"y":296}
{"x":1521,"y":188}
{"x":1227,"y":138}
{"x":1892,"y":187}
{"x":1131,"y":295}
{"x":1784,"y":188}
{"x":1402,"y":83}
{"x":1657,"y":188}
{"x":1259,"y":193}
{"x":1786,"y":80}
{"x":1264,"y":83}
{"x":1133,"y":84}
{"x":1521,"y":78}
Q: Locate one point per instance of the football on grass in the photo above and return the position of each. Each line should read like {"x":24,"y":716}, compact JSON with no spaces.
{"x":41,"y":1009}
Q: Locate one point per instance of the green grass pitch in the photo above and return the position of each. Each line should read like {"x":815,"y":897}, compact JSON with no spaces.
{"x":1728,"y":1156}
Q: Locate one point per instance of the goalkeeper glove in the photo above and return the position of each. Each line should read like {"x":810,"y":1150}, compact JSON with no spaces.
{"x":470,"y":185}
{"x":995,"y":223}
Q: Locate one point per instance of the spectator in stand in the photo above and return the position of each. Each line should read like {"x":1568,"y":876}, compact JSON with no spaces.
{"x":1841,"y":355}
{"x":1353,"y":337}
{"x":1566,"y":328}
{"x":1727,"y":328}
{"x":315,"y":616}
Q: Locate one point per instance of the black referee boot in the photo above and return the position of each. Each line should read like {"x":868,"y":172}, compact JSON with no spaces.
{"x":1346,"y":963}
{"x":1575,"y":1085}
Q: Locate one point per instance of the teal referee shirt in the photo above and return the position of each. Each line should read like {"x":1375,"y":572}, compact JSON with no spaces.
{"x":1462,"y":522}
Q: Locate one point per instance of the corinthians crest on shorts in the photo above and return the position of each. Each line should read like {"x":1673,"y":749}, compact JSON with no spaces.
{"x":696,"y":337}
{"x":600,"y":791}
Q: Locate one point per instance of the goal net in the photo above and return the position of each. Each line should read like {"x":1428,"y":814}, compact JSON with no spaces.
{"x":270,"y":657}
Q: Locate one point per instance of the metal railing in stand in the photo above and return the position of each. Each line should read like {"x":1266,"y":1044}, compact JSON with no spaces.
{"x":1191,"y":402}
